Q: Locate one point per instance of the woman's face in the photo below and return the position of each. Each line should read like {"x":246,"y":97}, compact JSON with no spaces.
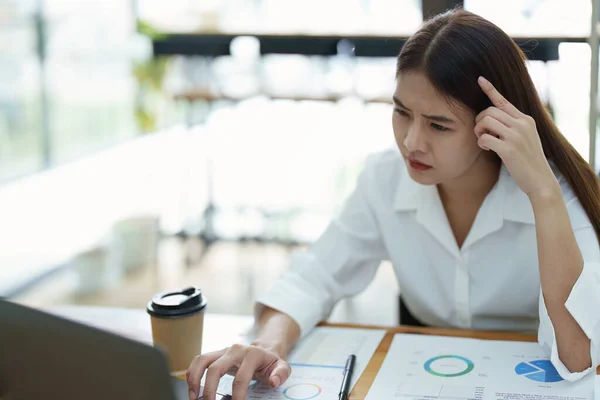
{"x":437,"y":140}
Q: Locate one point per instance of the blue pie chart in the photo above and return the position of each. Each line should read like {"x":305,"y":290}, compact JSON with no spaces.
{"x":539,"y":371}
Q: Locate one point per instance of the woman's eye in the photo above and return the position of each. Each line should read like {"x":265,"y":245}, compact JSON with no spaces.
{"x":439,"y":127}
{"x":401,"y":112}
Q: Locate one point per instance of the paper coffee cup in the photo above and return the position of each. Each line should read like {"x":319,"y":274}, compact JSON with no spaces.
{"x":177,"y":320}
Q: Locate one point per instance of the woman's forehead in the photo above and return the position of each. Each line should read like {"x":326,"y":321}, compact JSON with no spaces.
{"x":416,"y":92}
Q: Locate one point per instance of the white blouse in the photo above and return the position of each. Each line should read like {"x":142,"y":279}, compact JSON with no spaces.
{"x":491,"y":283}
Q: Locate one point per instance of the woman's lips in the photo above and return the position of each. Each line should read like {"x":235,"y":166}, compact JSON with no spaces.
{"x":419,"y":166}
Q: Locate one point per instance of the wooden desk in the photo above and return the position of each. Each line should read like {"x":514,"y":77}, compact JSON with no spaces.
{"x":364,"y":383}
{"x":222,"y":330}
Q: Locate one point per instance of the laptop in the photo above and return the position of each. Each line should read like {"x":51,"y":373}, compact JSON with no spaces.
{"x":43,"y":356}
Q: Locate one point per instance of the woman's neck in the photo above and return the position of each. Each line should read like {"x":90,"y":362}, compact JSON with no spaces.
{"x":475,"y":184}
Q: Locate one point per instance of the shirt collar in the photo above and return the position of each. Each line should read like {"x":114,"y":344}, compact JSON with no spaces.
{"x":410,"y":195}
{"x":506,"y":201}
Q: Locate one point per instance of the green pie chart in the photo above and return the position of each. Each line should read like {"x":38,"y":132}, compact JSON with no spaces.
{"x":449,"y":366}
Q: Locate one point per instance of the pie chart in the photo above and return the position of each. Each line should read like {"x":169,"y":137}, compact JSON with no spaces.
{"x":449,"y":366}
{"x":539,"y":371}
{"x":302,"y":391}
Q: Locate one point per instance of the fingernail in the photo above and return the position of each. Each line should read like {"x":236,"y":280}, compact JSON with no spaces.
{"x":192,"y":395}
{"x":482,"y":80}
{"x":275,"y":381}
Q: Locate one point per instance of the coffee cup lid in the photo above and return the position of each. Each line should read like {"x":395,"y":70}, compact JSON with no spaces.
{"x":176,"y":304}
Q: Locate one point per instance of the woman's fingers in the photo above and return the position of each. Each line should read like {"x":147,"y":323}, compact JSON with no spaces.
{"x":244,"y":374}
{"x":245,"y":362}
{"x":280,"y":373}
{"x":498,"y":114}
{"x":489,"y":142}
{"x":196,"y":371}
{"x":492,"y":126}
{"x":214,"y":373}
{"x":497,"y":99}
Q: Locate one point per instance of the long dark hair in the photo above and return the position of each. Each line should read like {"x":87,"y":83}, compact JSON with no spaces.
{"x":455,"y":48}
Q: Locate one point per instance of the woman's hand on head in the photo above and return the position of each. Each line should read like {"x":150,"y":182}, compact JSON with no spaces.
{"x":513,"y":135}
{"x":245,"y":362}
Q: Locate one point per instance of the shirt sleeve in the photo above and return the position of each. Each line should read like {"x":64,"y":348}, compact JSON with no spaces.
{"x":583,"y":304}
{"x":341,"y":263}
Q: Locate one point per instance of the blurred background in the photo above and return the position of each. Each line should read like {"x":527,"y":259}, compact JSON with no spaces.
{"x":151,"y":145}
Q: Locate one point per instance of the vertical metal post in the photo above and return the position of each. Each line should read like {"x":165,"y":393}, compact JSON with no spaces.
{"x":46,"y":132}
{"x":593,"y":41}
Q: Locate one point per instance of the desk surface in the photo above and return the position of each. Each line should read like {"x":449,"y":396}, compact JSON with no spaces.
{"x":364,"y":383}
{"x":222,"y":330}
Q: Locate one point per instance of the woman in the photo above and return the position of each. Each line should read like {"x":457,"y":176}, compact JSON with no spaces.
{"x":489,"y":216}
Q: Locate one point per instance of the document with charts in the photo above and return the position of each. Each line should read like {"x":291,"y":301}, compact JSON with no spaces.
{"x":432,"y":367}
{"x":318,"y":363}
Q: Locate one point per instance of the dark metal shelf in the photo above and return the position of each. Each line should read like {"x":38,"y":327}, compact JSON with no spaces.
{"x":540,"y":48}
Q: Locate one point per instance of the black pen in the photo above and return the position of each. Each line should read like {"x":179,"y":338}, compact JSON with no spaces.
{"x":348,"y":369}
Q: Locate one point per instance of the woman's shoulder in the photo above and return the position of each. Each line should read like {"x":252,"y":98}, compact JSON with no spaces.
{"x":381,"y":177}
{"x":383,"y":169}
{"x":387,"y":162}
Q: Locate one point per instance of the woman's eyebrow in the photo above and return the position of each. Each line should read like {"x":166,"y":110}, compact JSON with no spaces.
{"x":438,"y":118}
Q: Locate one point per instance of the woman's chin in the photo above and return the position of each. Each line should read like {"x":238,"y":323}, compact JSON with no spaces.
{"x":423,"y":177}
